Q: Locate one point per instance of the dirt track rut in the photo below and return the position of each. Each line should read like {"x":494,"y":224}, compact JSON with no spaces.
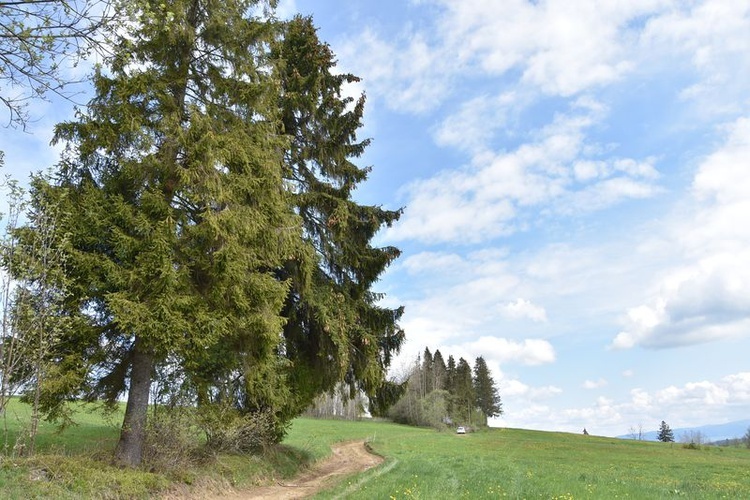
{"x":347,"y":458}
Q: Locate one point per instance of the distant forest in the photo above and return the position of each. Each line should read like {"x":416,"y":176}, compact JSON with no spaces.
{"x":433,"y":393}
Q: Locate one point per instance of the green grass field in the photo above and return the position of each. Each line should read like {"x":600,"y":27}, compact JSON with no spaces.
{"x":420,"y":463}
{"x":512,"y":463}
{"x":74,"y":464}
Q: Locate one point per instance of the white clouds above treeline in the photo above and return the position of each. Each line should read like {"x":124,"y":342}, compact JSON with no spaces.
{"x":576,"y":51}
{"x":604,"y":174}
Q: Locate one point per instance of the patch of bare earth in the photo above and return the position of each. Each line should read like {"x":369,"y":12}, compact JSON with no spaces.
{"x":347,"y":458}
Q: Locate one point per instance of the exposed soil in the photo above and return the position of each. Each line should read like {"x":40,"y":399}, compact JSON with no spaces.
{"x":347,"y":458}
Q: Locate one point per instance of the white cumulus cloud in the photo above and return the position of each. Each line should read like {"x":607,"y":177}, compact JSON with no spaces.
{"x":522,"y":308}
{"x":594,"y":384}
{"x":501,"y":350}
{"x":493,"y":195}
{"x":707,"y":297}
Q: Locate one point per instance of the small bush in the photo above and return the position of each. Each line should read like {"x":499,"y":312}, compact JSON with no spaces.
{"x":229,"y":431}
{"x":173,"y":441}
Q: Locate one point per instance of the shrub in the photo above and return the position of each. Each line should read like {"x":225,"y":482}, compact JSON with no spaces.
{"x":173,"y":441}
{"x":693,"y":437}
{"x":424,"y":412}
{"x":229,"y":431}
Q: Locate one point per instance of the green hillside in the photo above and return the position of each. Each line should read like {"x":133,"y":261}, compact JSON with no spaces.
{"x":420,"y":463}
{"x":514,"y":463}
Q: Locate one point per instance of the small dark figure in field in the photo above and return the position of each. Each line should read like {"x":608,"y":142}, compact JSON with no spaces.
{"x":585,"y":432}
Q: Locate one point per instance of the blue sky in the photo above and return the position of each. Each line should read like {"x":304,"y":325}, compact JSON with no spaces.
{"x":576,"y":184}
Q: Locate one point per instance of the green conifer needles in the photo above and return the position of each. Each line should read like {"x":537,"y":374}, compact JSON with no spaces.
{"x":214,"y":243}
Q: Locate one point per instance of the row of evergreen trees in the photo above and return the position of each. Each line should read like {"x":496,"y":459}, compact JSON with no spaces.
{"x":438,"y":393}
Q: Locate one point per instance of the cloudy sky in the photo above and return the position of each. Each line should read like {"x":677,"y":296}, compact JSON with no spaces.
{"x":576,"y":182}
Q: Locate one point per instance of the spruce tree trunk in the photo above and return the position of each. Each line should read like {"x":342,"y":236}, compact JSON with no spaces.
{"x":129,"y":451}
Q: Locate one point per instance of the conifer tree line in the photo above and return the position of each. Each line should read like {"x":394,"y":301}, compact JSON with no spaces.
{"x":439,"y":393}
{"x":209,"y":252}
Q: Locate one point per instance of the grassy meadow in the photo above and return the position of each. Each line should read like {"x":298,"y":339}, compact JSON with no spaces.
{"x":75,"y":463}
{"x":420,"y":463}
{"x":513,"y":463}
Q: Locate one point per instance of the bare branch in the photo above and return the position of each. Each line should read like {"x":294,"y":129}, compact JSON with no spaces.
{"x":40,"y":37}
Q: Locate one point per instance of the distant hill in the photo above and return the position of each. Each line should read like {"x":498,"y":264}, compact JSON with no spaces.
{"x":710,"y":433}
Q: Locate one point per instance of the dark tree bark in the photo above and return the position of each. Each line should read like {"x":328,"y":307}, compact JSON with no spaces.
{"x":129,"y":451}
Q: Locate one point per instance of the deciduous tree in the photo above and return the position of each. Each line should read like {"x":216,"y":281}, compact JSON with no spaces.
{"x":36,"y":38}
{"x":38,"y":265}
{"x":12,"y":357}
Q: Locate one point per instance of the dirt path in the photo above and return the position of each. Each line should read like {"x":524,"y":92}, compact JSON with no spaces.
{"x":348,"y":458}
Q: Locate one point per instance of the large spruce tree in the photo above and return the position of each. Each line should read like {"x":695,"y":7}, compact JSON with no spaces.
{"x":439,"y":371}
{"x":428,"y":383}
{"x":665,"y":433}
{"x":212,"y":229}
{"x":464,"y":399}
{"x":334,"y":326}
{"x":175,"y":178}
{"x":485,"y":391}
{"x":450,"y":374}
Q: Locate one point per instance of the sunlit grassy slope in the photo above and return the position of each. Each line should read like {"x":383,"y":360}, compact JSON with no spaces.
{"x":420,"y":463}
{"x":512,"y":463}
{"x":91,"y":431}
